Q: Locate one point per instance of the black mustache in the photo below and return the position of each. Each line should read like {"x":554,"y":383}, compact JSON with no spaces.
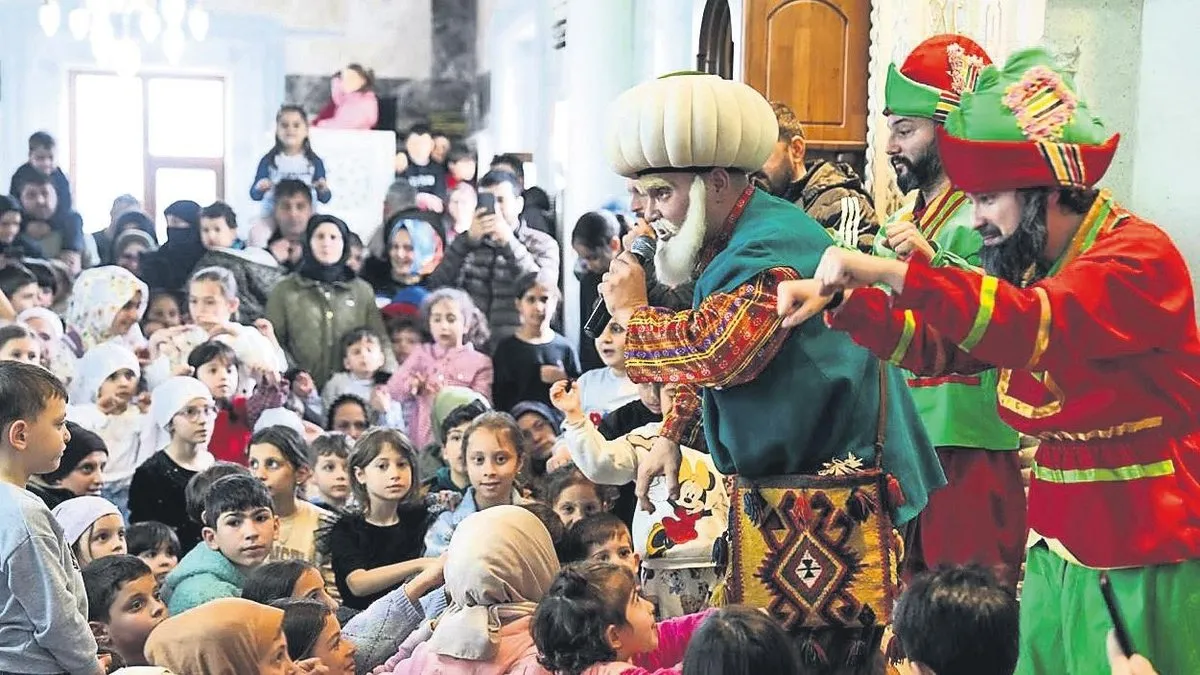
{"x":988,"y":230}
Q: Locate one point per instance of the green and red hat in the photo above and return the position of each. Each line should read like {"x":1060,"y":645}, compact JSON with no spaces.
{"x":934,"y":77}
{"x":1024,"y":126}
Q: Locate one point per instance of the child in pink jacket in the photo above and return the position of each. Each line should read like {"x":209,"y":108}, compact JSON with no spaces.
{"x":457,"y":327}
{"x":354,"y":105}
{"x":593,"y":621}
{"x":499,"y":565}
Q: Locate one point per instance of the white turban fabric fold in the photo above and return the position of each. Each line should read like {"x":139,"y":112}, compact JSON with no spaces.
{"x":690,"y":122}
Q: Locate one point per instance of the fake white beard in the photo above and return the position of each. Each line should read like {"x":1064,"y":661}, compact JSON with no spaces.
{"x":676,"y":258}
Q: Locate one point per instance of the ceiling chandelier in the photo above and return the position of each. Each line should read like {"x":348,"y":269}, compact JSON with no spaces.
{"x":110,"y":27}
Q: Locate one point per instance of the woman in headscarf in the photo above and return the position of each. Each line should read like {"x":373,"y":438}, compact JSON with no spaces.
{"x":106,"y":305}
{"x":413,"y":251}
{"x":131,"y":245}
{"x":500,"y":563}
{"x":98,"y":251}
{"x":230,"y":636}
{"x":170,"y":266}
{"x":315,"y":306}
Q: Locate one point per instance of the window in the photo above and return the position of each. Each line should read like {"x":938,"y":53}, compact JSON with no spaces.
{"x":160,"y":138}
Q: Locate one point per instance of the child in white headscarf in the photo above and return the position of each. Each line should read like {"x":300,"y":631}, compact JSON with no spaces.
{"x":500,"y":563}
{"x":182,"y":416}
{"x":56,"y":354}
{"x":102,"y":401}
{"x":106,"y":305}
{"x":92,"y":526}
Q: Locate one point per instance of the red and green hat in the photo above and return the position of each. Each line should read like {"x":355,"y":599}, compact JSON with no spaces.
{"x":1024,"y":126}
{"x":934,"y":77}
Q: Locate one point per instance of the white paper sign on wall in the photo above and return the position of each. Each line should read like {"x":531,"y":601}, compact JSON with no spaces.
{"x":359,"y":166}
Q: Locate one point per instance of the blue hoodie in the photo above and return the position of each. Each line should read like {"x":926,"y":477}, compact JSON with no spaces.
{"x":202,"y":575}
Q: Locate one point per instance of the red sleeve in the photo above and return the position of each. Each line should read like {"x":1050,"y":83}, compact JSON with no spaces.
{"x":728,"y":341}
{"x":682,"y":423}
{"x":1129,"y":294}
{"x":900,"y":336}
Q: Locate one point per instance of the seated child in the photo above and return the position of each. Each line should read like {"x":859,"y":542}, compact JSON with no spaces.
{"x":529,"y":361}
{"x":498,"y":567}
{"x":494,"y":449}
{"x":18,"y":343}
{"x":56,"y":355}
{"x":239,"y":528}
{"x":454,"y":409}
{"x":364,"y":377}
{"x":329,"y":486}
{"x":92,"y":526}
{"x":572,"y":496}
{"x":354,"y":104}
{"x":314,"y":636}
{"x":348,"y":414}
{"x":165,"y":310}
{"x":303,"y":397}
{"x":102,"y":402}
{"x":156,"y":544}
{"x":20,"y":286}
{"x":541,"y":425}
{"x":958,"y":620}
{"x":602,"y":537}
{"x":740,"y":640}
{"x":217,"y":365}
{"x":593,"y":621}
{"x":378,"y":547}
{"x":676,"y":540}
{"x":282,"y":579}
{"x":182,"y":411}
{"x":279,"y":458}
{"x":406,"y":336}
{"x":227,"y":636}
{"x":219,"y":227}
{"x":458,"y":329}
{"x":123,"y":605}
{"x":608,"y":388}
{"x":79,"y":473}
{"x":45,"y":609}
{"x":197,"y":488}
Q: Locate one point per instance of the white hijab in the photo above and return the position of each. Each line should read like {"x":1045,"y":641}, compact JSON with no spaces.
{"x":171,"y":397}
{"x":96,"y":365}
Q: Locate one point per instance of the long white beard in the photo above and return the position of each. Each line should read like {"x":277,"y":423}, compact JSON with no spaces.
{"x":675,"y":260}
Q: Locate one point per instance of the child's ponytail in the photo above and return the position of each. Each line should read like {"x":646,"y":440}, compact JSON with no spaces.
{"x":572,"y":619}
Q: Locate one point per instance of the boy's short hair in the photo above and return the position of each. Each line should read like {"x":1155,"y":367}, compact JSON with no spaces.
{"x":595,"y":530}
{"x":41,"y":270}
{"x":197,"y":487}
{"x":240,"y":492}
{"x":41,"y":140}
{"x":25,"y":390}
{"x":289,"y":443}
{"x":509,"y":159}
{"x":497,"y":177}
{"x":463,"y":414}
{"x":402,"y":323}
{"x":103,"y":579}
{"x":15,"y":277}
{"x":219,"y":209}
{"x":290,"y":187}
{"x":151,"y":536}
{"x":330,"y":443}
{"x":959,"y":621}
{"x":356,"y":335}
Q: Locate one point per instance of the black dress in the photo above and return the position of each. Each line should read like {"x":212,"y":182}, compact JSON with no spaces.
{"x":157,"y":493}
{"x":518,"y":365}
{"x":355,"y":544}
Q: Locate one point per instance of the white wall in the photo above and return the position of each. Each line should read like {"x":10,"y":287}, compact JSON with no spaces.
{"x":246,"y":50}
{"x":1164,"y":158}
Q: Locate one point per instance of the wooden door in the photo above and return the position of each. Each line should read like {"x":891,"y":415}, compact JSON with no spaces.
{"x":813,"y":55}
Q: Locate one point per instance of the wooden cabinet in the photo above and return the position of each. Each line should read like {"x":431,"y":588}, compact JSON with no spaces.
{"x":813,"y":56}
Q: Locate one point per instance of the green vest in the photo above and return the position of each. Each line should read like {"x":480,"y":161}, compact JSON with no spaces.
{"x":958,"y":411}
{"x":818,"y":400}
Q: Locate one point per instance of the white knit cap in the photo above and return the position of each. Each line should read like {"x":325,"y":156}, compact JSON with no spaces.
{"x":690,"y":121}
{"x":77,"y":514}
{"x":280,"y":417}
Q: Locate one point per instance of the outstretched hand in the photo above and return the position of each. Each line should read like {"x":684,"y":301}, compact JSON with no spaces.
{"x":664,"y":460}
{"x":800,"y":300}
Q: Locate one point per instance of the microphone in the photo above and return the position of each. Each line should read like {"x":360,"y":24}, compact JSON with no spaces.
{"x":642,"y":248}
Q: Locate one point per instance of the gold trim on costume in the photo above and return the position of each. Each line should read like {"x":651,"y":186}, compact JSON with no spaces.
{"x":983,"y":317}
{"x":1042,"y":341}
{"x":1111,"y":432}
{"x":1024,"y":409}
{"x":906,"y":337}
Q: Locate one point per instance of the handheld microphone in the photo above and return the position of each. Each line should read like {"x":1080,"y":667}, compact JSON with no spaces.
{"x":642,"y":248}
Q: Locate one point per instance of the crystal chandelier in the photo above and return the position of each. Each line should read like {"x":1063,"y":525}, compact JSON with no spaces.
{"x":109,"y":27}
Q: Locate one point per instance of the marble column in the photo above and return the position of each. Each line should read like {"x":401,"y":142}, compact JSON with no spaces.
{"x":599,"y":65}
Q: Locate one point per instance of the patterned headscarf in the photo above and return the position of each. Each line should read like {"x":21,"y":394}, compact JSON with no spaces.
{"x":99,"y":294}
{"x":425,"y":243}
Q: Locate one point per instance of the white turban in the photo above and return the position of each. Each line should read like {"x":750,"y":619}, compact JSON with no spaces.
{"x":690,"y":122}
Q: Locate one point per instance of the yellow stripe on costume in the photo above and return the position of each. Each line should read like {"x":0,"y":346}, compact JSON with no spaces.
{"x":987,"y":305}
{"x":1042,"y":341}
{"x":906,"y":337}
{"x":1117,"y":474}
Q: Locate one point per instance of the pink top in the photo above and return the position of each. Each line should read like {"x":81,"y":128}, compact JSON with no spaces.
{"x":517,"y":655}
{"x":437,"y":367}
{"x":353,"y":110}
{"x":673,"y":638}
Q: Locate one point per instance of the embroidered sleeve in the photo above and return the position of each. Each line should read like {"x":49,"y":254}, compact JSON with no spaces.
{"x":727,"y":341}
{"x":900,"y":336}
{"x":682,"y":423}
{"x":1130,"y":294}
